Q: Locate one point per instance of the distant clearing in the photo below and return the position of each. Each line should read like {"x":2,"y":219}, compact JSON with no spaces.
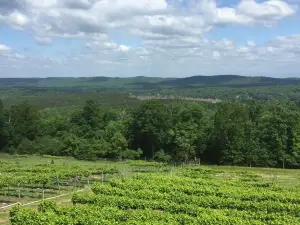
{"x":160,"y":97}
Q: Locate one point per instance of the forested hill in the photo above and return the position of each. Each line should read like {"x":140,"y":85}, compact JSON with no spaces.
{"x":70,"y":90}
{"x":230,"y":81}
{"x":149,"y":82}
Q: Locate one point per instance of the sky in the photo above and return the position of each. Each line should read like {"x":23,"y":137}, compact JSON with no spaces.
{"x":161,"y":38}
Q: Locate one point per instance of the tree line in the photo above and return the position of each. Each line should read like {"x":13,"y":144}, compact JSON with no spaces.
{"x":228,"y":133}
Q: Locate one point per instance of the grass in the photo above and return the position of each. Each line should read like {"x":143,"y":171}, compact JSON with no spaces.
{"x":284,"y":177}
{"x":4,"y":218}
{"x":36,"y":160}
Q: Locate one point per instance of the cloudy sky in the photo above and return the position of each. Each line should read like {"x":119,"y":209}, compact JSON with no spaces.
{"x":168,"y":38}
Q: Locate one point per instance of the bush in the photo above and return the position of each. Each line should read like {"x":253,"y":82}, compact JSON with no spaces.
{"x":161,"y":156}
{"x":131,"y":154}
{"x":26,"y":147}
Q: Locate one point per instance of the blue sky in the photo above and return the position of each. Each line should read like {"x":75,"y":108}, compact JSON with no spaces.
{"x":174,"y":38}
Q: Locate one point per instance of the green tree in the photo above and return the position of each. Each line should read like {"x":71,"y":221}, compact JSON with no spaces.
{"x":3,"y":128}
{"x":47,"y":145}
{"x":273,"y":127}
{"x":91,"y":115}
{"x":70,"y":143}
{"x":189,"y":126}
{"x":26,"y":147}
{"x":161,"y":156}
{"x":130,"y":154}
{"x":150,"y":122}
{"x":24,"y":123}
{"x":228,"y":138}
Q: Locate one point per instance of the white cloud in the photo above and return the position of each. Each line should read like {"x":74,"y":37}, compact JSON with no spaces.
{"x":124,"y":48}
{"x":224,"y":44}
{"x":166,"y":32}
{"x":270,"y":49}
{"x":110,"y":45}
{"x":144,"y":5}
{"x":103,"y":62}
{"x":4,"y":49}
{"x":251,"y":43}
{"x":272,"y":9}
{"x":15,"y":19}
{"x":43,"y":40}
{"x":19,"y":56}
{"x":230,"y":16}
{"x":243,"y":49}
{"x":105,"y":45}
{"x":155,"y":19}
{"x":176,"y":43}
{"x":18,"y":19}
{"x":285,"y":44}
{"x":99,"y":42}
{"x":216,"y":55}
{"x":189,"y":57}
{"x":247,"y":12}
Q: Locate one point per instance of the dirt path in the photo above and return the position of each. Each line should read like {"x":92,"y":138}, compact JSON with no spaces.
{"x":3,"y":220}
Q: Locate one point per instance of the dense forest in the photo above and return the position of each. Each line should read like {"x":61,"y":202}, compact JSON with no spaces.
{"x":259,"y":133}
{"x":255,"y":122}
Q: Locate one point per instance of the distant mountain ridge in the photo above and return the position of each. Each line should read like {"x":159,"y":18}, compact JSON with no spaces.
{"x":229,"y":81}
{"x":149,"y":82}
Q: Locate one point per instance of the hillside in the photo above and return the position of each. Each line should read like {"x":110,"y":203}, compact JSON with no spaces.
{"x":70,"y":91}
{"x":147,"y":82}
{"x":66,"y":82}
{"x":229,"y":81}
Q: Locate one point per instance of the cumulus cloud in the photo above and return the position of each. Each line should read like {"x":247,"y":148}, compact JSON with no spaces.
{"x":251,"y":43}
{"x":224,"y":44}
{"x":243,"y":49}
{"x":19,"y":56}
{"x":286,"y":44}
{"x":124,"y":48}
{"x":247,"y":12}
{"x":216,"y":55}
{"x":272,"y":9}
{"x":101,"y":45}
{"x":149,"y":19}
{"x":104,"y":62}
{"x":165,"y":32}
{"x":4,"y":49}
{"x":43,"y":40}
{"x":15,"y":19}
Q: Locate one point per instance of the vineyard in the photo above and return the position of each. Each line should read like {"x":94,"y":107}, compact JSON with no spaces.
{"x":22,"y":183}
{"x":192,"y":195}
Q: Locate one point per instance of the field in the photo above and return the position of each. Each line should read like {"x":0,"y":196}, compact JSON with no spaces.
{"x":159,"y":97}
{"x":138,"y":192}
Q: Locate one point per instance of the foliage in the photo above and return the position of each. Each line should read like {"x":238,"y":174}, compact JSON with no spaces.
{"x":256,"y":133}
{"x":171,"y":199}
{"x":161,"y":156}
